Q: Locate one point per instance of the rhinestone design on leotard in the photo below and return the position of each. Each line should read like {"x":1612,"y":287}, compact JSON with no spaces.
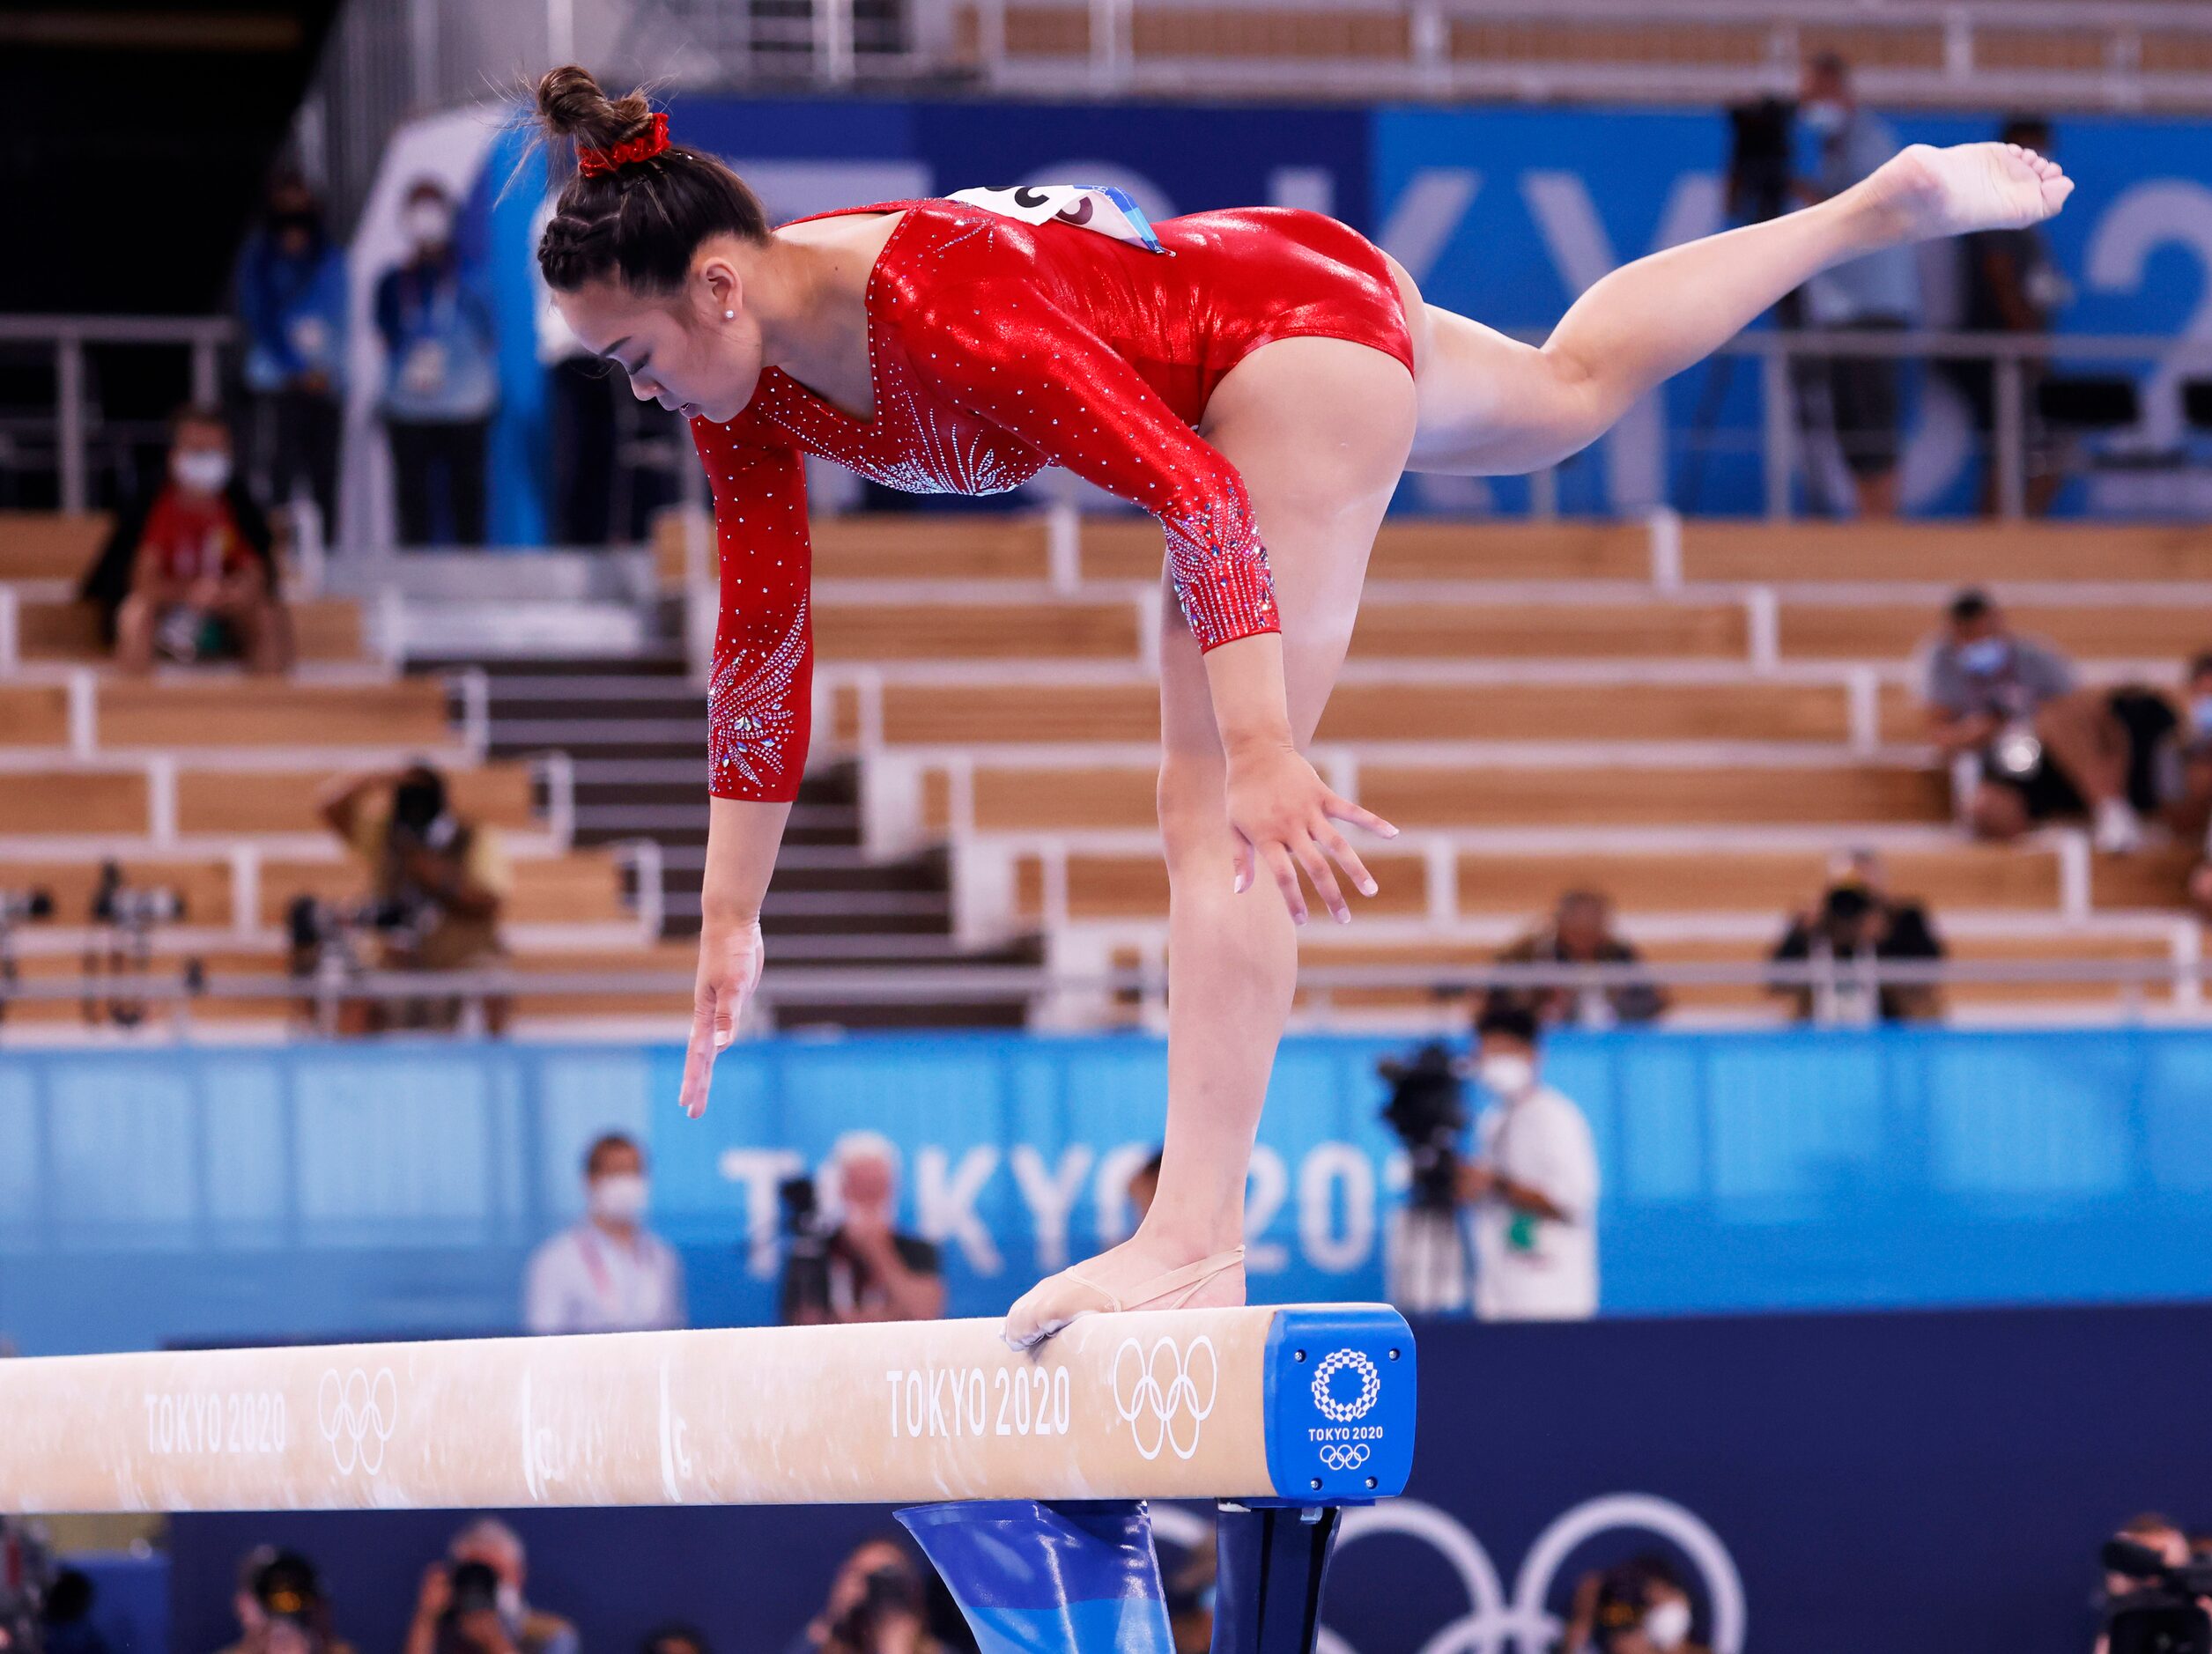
{"x":750,"y":717}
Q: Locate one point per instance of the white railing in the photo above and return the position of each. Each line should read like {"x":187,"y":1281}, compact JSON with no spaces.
{"x":204,"y":336}
{"x":2046,"y":53}
{"x":2178,"y":979}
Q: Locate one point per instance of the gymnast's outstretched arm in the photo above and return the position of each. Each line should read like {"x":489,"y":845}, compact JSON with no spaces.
{"x":1490,"y":404}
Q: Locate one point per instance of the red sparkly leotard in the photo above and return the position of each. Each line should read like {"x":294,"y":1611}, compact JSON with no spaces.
{"x":996,"y":348}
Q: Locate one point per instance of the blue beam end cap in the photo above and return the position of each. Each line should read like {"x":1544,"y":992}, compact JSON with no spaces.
{"x":1340,"y":1404}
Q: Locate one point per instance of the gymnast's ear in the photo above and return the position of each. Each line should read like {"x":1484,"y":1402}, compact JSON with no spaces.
{"x":721,"y":289}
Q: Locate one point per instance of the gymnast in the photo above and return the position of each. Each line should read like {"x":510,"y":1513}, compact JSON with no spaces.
{"x":1257,"y":379}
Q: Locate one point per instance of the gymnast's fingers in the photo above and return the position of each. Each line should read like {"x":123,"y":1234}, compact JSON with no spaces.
{"x":1285,"y":870}
{"x":1243,"y":856}
{"x":1340,"y":852}
{"x":1338,"y":808}
{"x":710,"y":1026}
{"x":1317,"y":869}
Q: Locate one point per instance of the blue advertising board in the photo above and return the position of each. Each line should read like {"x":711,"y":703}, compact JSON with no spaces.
{"x":214,"y":1193}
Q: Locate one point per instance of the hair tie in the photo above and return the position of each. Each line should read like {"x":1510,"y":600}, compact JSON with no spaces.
{"x":598,"y":163}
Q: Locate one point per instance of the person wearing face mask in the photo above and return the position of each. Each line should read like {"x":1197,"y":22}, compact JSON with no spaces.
{"x":188,"y":571}
{"x":608,"y":1273}
{"x":438,"y":882}
{"x":2035,"y":744}
{"x":1638,"y":1607}
{"x":440,"y":378}
{"x":1879,"y":293}
{"x":471,"y":1602}
{"x":1534,"y":1185}
{"x":291,"y":304}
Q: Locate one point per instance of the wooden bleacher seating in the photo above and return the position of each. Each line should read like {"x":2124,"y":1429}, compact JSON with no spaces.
{"x":59,"y":630}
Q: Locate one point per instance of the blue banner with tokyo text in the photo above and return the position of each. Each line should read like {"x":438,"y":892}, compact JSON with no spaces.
{"x":210,"y":1193}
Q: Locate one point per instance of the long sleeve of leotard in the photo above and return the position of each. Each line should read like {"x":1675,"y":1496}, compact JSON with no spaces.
{"x":759,"y":702}
{"x":1026,"y":363}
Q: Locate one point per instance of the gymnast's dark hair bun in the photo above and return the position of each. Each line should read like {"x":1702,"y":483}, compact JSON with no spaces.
{"x":642,"y":223}
{"x":572,"y":105}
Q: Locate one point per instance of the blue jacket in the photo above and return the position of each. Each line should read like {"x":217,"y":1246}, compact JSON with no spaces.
{"x":294,"y":312}
{"x":440,"y":344}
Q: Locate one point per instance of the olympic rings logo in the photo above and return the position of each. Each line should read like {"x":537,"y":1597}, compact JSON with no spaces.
{"x":1523,"y":1622}
{"x":1164,"y":1396}
{"x":1360,"y":1406}
{"x":356,"y":1415}
{"x":1340,"y":1455}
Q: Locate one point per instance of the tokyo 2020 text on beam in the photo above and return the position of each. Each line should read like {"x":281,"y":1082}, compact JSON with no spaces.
{"x":1310,"y":1404}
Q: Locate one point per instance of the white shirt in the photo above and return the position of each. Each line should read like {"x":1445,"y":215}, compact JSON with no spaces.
{"x":1530,"y":1268}
{"x":585,"y":1281}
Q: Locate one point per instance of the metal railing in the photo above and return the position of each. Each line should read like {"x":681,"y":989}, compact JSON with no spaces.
{"x":2179,"y":980}
{"x":76,"y":415}
{"x":1782,"y":355}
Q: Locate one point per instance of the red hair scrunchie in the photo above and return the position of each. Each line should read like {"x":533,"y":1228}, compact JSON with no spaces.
{"x":644,"y":147}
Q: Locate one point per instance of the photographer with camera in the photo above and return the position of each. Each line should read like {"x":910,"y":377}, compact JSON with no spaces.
{"x":281,"y":1607}
{"x":1430,"y":1263}
{"x":1535,"y":1186}
{"x":879,"y":1604}
{"x":609,"y":1274}
{"x":2039,"y":745}
{"x":439,"y":883}
{"x":2157,"y":1595}
{"x":472,"y":1602}
{"x":1858,"y":925}
{"x":861,"y":1267}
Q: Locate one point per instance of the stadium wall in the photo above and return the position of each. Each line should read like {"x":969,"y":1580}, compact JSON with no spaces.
{"x":310,"y":1190}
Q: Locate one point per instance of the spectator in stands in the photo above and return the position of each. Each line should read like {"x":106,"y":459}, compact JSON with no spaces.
{"x":2010,"y":285}
{"x":608,"y":1273}
{"x":472,"y":1602}
{"x":1857,"y":924}
{"x":292,"y":302}
{"x":877,"y":1604}
{"x":1534,"y":1185}
{"x":867,"y":1269}
{"x":441,"y":378}
{"x":1581,"y":933}
{"x":281,"y":1607}
{"x":2041,"y":745}
{"x":438,"y":881}
{"x":1875,"y":294}
{"x":1639,"y":1607}
{"x":188,"y":571}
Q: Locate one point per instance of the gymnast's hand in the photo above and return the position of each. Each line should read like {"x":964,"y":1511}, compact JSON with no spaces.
{"x":731,"y":955}
{"x":1284,"y":816}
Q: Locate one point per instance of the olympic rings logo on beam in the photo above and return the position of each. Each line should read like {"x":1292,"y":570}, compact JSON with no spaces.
{"x":1340,"y":1455}
{"x":356,"y":1414}
{"x":1361,"y":1405}
{"x":1164,"y":1396}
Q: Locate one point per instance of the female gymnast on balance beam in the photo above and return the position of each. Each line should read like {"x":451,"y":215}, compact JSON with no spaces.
{"x":1252,"y":378}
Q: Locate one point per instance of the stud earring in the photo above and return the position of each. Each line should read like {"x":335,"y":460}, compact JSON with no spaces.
{"x":729,"y":315}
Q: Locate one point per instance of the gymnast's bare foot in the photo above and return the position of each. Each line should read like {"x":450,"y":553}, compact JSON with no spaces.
{"x":1923,"y":192}
{"x":1143,"y":1272}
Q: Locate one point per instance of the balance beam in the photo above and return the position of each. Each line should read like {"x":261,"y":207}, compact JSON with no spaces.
{"x":1306,"y":1405}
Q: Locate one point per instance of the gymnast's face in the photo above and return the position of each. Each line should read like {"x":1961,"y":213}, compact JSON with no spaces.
{"x":696,"y":352}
